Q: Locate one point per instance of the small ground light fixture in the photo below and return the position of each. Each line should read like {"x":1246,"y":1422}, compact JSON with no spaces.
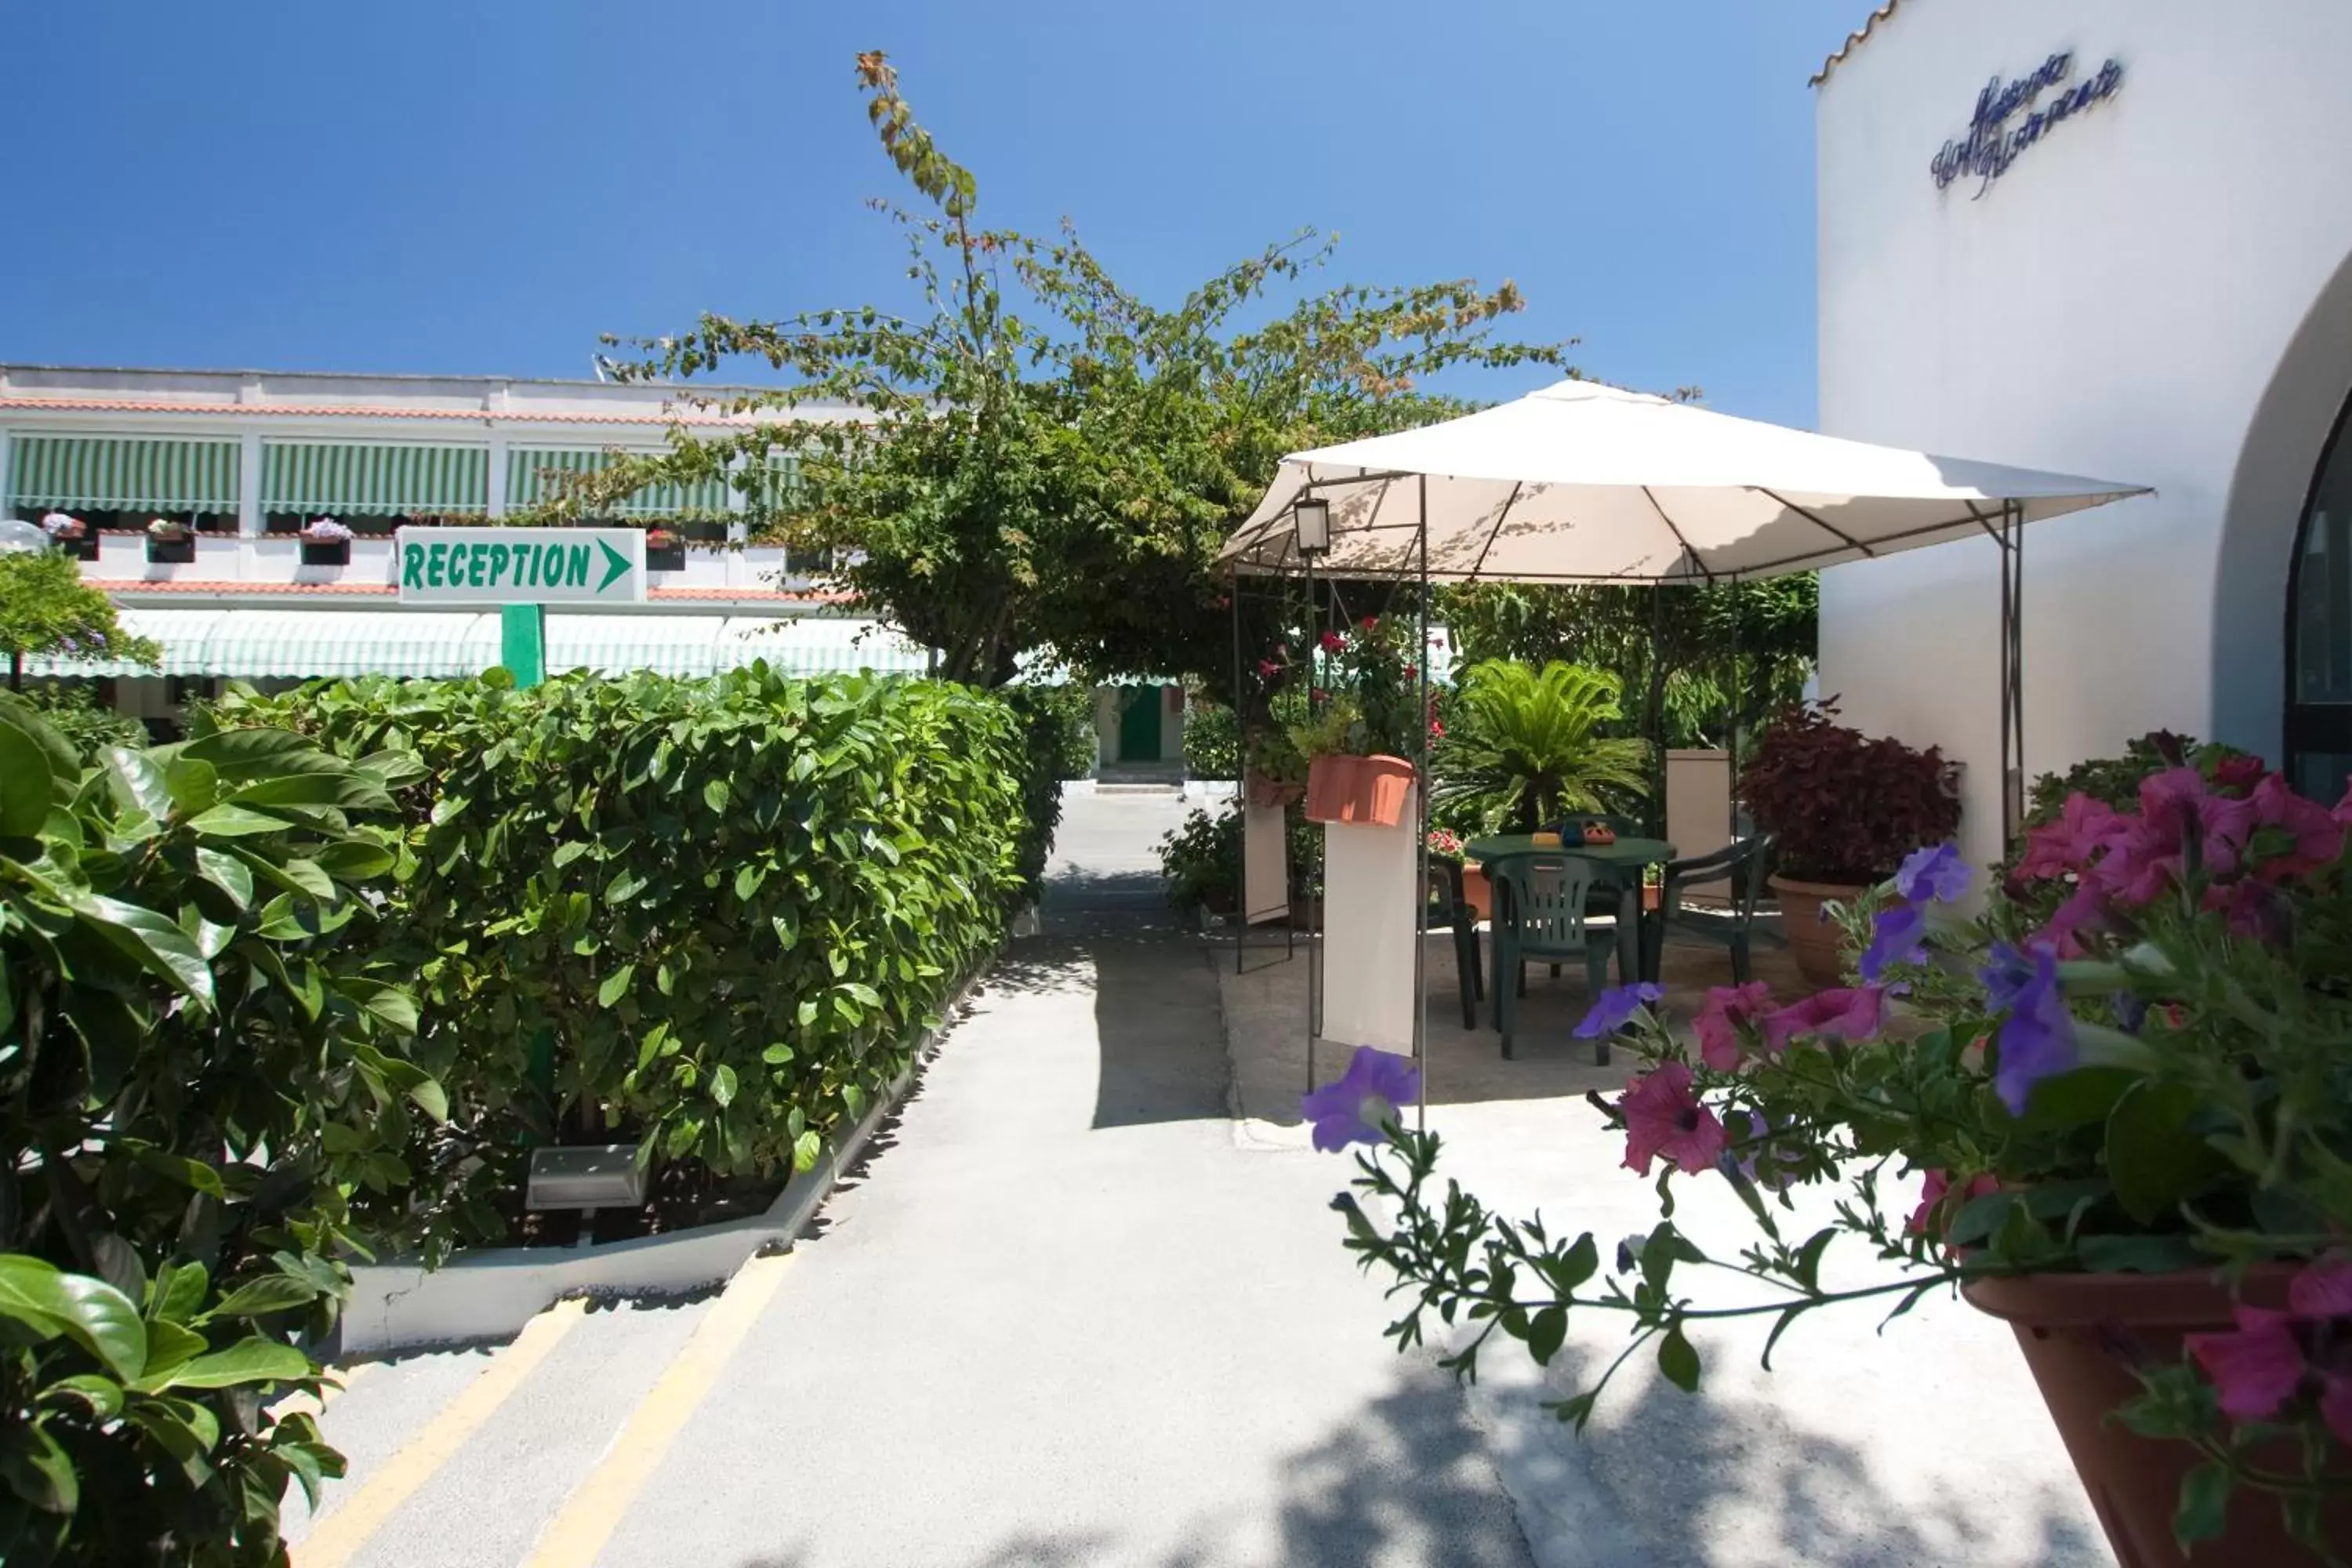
{"x":585,"y":1178}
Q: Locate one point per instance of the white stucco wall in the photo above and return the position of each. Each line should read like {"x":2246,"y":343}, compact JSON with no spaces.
{"x":2156,"y":292}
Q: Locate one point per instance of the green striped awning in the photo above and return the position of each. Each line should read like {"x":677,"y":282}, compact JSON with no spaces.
{"x":108,"y":473}
{"x":374,"y":479}
{"x":251,"y":643}
{"x":536,"y":474}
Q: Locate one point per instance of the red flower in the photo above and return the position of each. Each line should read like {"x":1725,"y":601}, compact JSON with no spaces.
{"x":1319,"y":695}
{"x":1436,"y":728}
{"x":2238,"y":772}
{"x":1268,"y":668}
{"x":1663,"y":1116}
{"x":1333,"y":642}
{"x":1728,"y":1007}
{"x":1370,"y":623}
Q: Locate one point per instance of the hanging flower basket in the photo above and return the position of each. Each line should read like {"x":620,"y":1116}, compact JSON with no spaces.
{"x":1367,"y":792}
{"x":170,"y":543}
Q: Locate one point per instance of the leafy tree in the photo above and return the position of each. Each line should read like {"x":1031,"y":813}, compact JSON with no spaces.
{"x":1041,"y":459}
{"x":1671,"y":645}
{"x":47,"y":609}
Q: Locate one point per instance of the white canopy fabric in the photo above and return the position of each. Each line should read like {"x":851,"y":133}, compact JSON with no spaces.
{"x":1586,"y":483}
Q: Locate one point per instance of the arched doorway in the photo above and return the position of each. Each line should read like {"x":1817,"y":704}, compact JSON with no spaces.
{"x":2319,"y":627}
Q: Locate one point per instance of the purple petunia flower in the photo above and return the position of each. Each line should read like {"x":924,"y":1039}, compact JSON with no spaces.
{"x":1935,"y":873}
{"x":1355,"y":1106}
{"x":1898,"y":935}
{"x":1615,"y":1010}
{"x":2037,"y":1039}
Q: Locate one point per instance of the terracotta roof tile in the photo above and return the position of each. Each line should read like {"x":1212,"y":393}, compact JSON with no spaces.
{"x":386,"y":590}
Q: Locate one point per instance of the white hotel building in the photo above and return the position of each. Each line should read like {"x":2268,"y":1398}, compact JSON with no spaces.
{"x":246,"y":457}
{"x":2113,"y":238}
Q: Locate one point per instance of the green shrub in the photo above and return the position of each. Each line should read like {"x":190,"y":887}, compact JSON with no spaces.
{"x":1201,"y":862}
{"x":73,"y":711}
{"x":204,"y":1097}
{"x":1212,"y":739}
{"x":2115,"y":780}
{"x":732,"y":904}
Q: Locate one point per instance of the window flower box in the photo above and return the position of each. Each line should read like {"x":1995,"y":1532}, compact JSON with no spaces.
{"x":326,"y":543}
{"x":170,"y":544}
{"x":1363,"y":791}
{"x":664,"y":550}
{"x":72,"y":535}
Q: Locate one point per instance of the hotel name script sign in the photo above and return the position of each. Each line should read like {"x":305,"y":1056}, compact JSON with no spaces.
{"x":2012,"y":116}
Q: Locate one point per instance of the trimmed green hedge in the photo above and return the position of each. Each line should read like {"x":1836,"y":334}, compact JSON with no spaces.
{"x":733,"y":904}
{"x":207,"y":1102}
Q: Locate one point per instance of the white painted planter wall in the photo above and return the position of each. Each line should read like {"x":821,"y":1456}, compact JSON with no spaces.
{"x":1369,"y":926}
{"x":491,"y":1294}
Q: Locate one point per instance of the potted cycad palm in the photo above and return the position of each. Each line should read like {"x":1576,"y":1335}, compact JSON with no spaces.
{"x":1527,"y":746}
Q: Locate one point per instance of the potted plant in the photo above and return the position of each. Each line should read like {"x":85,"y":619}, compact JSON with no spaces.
{"x":1843,"y":809}
{"x":1201,"y":862}
{"x":2121,"y":1122}
{"x":326,"y":543}
{"x":664,"y":550}
{"x":71,"y":535}
{"x":1356,"y":748}
{"x":1277,"y":769}
{"x":1527,"y":746}
{"x":170,"y":542}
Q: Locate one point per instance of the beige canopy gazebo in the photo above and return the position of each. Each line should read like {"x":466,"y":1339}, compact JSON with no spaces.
{"x":1582,"y":483}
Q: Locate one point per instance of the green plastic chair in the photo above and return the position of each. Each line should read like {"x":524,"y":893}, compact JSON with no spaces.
{"x":1449,"y":907}
{"x":1743,"y":865}
{"x":1539,"y":913}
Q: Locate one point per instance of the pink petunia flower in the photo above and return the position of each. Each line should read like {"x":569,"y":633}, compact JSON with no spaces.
{"x":2318,"y":836}
{"x":1843,"y":1014}
{"x":1663,"y":1116}
{"x":2081,"y":833}
{"x":1726,"y":1009}
{"x":2271,"y":1356}
{"x":1333,"y":642}
{"x":1937,"y":1190}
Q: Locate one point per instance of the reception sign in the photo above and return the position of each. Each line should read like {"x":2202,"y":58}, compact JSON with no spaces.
{"x":521,"y":565}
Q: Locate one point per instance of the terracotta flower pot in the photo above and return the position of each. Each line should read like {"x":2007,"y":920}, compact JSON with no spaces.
{"x":1363,"y":791}
{"x":1264,"y":792}
{"x":2068,"y":1326}
{"x":1478,"y":892}
{"x":1817,"y":944}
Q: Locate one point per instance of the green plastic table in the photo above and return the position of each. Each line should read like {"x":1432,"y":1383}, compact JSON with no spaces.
{"x":1619,"y":864}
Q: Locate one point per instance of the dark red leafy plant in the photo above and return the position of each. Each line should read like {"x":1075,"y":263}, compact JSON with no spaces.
{"x":1845,"y":807}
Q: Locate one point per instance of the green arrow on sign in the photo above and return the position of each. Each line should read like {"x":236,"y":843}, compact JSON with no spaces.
{"x":616,"y":562}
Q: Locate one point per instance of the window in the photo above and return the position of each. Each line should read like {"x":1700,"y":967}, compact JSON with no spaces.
{"x":2319,"y":629}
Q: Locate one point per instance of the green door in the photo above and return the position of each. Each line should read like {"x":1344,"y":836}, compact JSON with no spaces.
{"x":1139,"y":724}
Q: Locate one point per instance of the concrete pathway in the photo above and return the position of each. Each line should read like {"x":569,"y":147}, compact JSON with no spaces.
{"x":1064,"y":1320}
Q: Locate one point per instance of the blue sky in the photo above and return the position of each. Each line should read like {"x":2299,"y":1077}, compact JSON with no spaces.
{"x":482,"y":188}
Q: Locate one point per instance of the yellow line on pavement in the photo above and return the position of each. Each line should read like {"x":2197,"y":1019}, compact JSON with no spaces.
{"x":594,"y":1509}
{"x":350,"y":1526}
